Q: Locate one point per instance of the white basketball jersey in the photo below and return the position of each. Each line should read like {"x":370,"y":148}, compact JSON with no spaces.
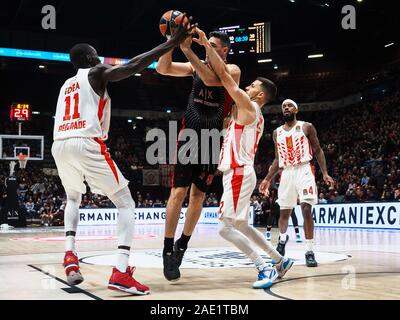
{"x":241,"y":142}
{"x":293,"y":146}
{"x":81,"y":112}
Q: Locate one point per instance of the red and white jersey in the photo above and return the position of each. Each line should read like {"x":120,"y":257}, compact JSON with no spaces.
{"x":81,"y":112}
{"x":241,"y":142}
{"x":294,"y":147}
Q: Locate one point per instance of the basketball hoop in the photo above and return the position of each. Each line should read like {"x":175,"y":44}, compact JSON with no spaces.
{"x":22,"y":159}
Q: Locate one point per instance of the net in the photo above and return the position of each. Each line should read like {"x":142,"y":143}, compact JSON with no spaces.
{"x":22,"y":159}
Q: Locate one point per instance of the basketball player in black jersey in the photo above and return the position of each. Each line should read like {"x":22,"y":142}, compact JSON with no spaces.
{"x":208,"y":104}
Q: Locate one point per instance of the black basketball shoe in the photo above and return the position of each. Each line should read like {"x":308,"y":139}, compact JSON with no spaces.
{"x":310,"y":259}
{"x":281,"y":246}
{"x":171,"y":268}
{"x":179,"y":253}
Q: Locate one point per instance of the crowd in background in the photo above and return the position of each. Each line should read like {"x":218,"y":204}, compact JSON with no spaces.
{"x":361,"y":145}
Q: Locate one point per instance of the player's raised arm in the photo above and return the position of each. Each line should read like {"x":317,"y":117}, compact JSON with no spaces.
{"x":140,"y":62}
{"x":167,"y":67}
{"x":206,"y":74}
{"x":221,"y":70}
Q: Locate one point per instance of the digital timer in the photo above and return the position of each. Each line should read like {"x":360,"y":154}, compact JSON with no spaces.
{"x":20,"y":112}
{"x":253,"y":38}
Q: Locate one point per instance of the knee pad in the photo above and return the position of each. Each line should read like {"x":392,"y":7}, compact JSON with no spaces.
{"x":122,"y":199}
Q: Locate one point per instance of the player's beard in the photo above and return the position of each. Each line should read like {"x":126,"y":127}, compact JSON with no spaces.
{"x":289,"y":117}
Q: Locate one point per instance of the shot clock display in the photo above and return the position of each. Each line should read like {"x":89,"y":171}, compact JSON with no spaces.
{"x":254,"y":38}
{"x":20,"y":112}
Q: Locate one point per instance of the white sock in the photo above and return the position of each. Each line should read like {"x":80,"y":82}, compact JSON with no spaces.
{"x":310,"y":244}
{"x":229,"y":233}
{"x":70,"y":243}
{"x":122,"y":259}
{"x":257,"y":237}
{"x":126,"y":223}
{"x":258,"y":261}
{"x":71,"y":218}
{"x":282,"y":237}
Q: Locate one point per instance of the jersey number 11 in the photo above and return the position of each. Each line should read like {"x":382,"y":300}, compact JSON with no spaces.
{"x":76,"y":114}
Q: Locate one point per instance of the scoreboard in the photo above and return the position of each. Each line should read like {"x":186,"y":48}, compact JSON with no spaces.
{"x":20,"y":112}
{"x":253,"y":39}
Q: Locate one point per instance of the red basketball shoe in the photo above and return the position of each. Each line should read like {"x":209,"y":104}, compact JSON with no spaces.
{"x":71,"y":267}
{"x":125,"y":282}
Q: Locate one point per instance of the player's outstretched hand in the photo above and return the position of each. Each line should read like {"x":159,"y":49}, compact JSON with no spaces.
{"x":184,"y":30}
{"x":264,"y":187}
{"x":202,"y":38}
{"x":328,"y":180}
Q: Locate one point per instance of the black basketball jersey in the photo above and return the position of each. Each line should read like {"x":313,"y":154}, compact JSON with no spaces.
{"x":207,"y":106}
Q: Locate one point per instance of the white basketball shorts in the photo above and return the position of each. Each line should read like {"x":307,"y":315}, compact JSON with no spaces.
{"x":80,"y":159}
{"x":297,"y":182}
{"x":239,"y":184}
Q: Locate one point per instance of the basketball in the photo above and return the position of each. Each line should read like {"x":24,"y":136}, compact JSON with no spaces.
{"x":170,"y":22}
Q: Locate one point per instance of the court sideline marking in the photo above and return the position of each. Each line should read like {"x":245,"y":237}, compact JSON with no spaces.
{"x":77,"y":290}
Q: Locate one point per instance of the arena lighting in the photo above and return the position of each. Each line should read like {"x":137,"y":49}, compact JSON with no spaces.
{"x":275,"y":66}
{"x":129,"y":121}
{"x":56,"y":56}
{"x":313,"y":56}
{"x":35,"y":112}
{"x":42,"y":66}
{"x":359,"y":0}
{"x":169,"y":111}
{"x":292,"y":1}
{"x":138,"y":74}
{"x":389,"y":44}
{"x":139,"y":118}
{"x":264,"y":60}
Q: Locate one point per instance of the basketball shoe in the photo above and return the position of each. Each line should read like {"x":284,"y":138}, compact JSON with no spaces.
{"x":71,"y":267}
{"x":171,"y":267}
{"x":283,"y":266}
{"x":268,"y":235}
{"x":298,"y":238}
{"x":124,"y":281}
{"x":266,"y":276}
{"x":179,"y":253}
{"x":310,"y":259}
{"x":281,"y":246}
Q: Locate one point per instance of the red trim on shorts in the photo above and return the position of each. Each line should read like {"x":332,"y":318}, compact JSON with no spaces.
{"x":100,"y":110}
{"x":103,"y":150}
{"x":236,"y":182}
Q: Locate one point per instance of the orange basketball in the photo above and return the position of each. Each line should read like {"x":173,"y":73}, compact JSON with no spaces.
{"x":170,"y":22}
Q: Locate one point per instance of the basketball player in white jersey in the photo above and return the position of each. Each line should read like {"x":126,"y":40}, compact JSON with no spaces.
{"x":82,"y":122}
{"x":237,"y":164}
{"x":295,"y":143}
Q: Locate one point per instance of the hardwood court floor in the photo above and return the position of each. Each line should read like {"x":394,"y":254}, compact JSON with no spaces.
{"x":354,"y":264}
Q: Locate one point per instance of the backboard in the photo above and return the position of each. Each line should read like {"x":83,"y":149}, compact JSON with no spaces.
{"x":12,"y":145}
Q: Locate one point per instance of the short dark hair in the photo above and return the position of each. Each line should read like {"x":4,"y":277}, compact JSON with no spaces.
{"x":78,"y":55}
{"x":268,"y":87}
{"x":221,"y":36}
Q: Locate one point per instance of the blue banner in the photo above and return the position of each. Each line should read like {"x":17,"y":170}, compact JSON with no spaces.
{"x":56,"y":56}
